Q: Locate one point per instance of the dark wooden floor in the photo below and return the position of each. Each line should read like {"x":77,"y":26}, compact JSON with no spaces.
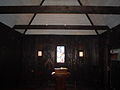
{"x":47,"y":88}
{"x":50,"y":85}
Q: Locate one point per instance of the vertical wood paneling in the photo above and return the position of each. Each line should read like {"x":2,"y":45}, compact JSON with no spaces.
{"x":80,"y":68}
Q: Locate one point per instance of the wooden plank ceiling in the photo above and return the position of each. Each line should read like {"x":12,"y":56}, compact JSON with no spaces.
{"x":60,"y":17}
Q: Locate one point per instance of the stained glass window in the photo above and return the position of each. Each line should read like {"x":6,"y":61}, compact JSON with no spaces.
{"x":60,"y":54}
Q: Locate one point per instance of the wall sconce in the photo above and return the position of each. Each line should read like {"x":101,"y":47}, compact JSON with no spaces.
{"x":39,"y":53}
{"x":81,"y":53}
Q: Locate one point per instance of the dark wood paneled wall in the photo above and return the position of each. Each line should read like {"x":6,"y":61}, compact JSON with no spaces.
{"x":10,"y":56}
{"x":85,"y":69}
{"x":114,"y":43}
{"x":19,"y":54}
{"x":115,"y":64}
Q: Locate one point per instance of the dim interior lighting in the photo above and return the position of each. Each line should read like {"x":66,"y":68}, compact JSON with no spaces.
{"x":32,"y":70}
{"x":39,"y":53}
{"x":52,"y":73}
{"x":81,"y":54}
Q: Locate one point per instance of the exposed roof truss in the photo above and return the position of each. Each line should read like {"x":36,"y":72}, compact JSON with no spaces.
{"x":60,"y":9}
{"x":52,"y":7}
{"x":70,"y":27}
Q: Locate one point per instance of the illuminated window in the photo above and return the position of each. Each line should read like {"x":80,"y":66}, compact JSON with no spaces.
{"x":60,"y":54}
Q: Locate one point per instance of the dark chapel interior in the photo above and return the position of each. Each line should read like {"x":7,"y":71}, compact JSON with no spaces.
{"x":32,"y":30}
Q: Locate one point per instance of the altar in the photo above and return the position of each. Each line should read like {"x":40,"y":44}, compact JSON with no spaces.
{"x":60,"y":75}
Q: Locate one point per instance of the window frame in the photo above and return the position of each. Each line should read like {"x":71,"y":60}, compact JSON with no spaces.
{"x":60,"y":64}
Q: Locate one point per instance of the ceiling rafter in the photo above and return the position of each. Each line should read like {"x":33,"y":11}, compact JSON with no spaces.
{"x":116,"y":27}
{"x":60,"y":9}
{"x":70,"y":27}
{"x":33,"y":16}
{"x":88,"y":17}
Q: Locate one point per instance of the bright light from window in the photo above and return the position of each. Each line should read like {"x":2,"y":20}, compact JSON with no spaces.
{"x":60,"y":54}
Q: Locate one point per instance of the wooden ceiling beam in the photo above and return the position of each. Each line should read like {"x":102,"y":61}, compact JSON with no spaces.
{"x":60,"y":9}
{"x":69,"y":27}
{"x":116,"y":27}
